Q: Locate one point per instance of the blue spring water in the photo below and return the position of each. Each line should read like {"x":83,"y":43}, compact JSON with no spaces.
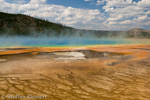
{"x":57,"y":42}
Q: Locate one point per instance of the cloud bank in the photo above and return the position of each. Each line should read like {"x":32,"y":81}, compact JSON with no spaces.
{"x":117,"y":15}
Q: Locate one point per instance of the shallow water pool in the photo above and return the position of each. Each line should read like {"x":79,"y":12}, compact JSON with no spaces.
{"x":57,"y":42}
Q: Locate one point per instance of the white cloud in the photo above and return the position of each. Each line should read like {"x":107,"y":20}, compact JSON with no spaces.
{"x":78,"y":18}
{"x":126,"y":13}
{"x":19,"y":1}
{"x":142,"y":18}
{"x":88,"y":0}
{"x":126,"y":22}
{"x":1,"y":0}
{"x":118,"y":15}
{"x":144,"y":3}
{"x":37,"y":1}
{"x":100,"y":2}
{"x":116,"y":18}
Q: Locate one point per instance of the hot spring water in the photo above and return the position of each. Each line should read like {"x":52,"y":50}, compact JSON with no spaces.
{"x":57,"y":42}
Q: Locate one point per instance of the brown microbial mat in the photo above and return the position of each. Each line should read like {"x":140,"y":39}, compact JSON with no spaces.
{"x":87,"y":73}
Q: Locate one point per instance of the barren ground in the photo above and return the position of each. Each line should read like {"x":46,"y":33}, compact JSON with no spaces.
{"x":105,"y":73}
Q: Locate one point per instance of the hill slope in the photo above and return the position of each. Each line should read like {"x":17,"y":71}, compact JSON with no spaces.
{"x":23,"y":25}
{"x":138,"y":33}
{"x":18,"y":24}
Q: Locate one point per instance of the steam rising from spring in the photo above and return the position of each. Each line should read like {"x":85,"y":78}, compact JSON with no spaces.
{"x":63,"y":39}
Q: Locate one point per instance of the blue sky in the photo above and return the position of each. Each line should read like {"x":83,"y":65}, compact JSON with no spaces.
{"x":86,"y":14}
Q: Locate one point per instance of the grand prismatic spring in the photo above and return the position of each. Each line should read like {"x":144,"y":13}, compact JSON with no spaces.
{"x":74,"y":49}
{"x":74,"y":69}
{"x":59,"y":42}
